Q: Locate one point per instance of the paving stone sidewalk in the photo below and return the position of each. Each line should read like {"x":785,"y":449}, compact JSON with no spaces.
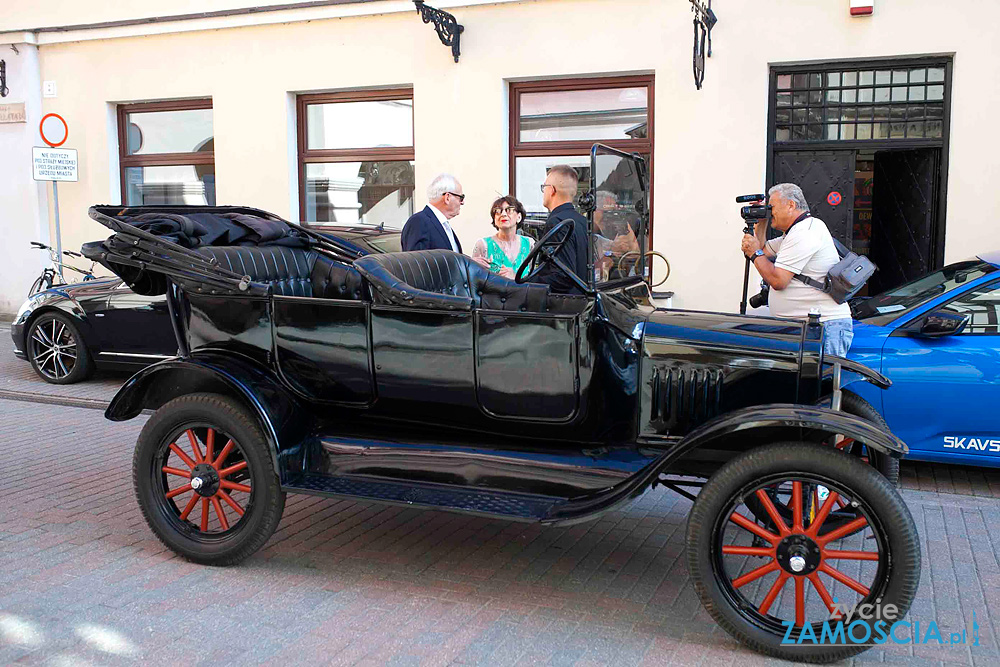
{"x":83,"y":580}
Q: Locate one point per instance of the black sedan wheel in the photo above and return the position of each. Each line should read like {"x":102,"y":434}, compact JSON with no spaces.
{"x":205,"y":480}
{"x":57,"y":350}
{"x":770,"y":585}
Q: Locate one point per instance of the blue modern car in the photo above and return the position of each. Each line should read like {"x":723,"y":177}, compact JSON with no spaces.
{"x":938,"y":339}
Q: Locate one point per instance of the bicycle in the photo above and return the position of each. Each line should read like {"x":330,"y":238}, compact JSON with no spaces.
{"x":48,"y":278}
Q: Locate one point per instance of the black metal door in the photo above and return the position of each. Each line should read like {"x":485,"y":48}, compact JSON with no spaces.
{"x":827,"y":179}
{"x":903,"y":207}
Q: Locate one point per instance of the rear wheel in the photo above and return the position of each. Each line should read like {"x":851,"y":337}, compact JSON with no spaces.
{"x":760,"y":582}
{"x":205,"y":480}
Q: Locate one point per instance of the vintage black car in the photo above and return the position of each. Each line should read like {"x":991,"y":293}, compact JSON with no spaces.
{"x":67,"y":332}
{"x":421,"y":379}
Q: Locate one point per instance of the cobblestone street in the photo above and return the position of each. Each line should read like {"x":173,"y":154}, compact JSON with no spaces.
{"x":83,"y":580}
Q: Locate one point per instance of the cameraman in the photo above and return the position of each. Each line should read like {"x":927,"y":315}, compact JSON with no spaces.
{"x":804,"y":248}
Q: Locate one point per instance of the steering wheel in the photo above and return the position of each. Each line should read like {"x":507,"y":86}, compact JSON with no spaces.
{"x":650,"y":253}
{"x":545,"y":251}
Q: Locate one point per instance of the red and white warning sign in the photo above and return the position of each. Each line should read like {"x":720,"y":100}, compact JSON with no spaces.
{"x":52,"y":163}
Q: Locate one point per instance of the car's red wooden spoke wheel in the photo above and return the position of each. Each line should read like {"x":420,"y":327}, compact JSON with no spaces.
{"x":796,"y":545}
{"x":191,"y":468}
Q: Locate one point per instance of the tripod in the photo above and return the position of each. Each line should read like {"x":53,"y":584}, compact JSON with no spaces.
{"x":749,"y":229}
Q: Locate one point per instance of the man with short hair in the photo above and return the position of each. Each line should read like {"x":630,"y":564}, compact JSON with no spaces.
{"x":430,"y":228}
{"x":805,"y":248}
{"x":558,"y":193}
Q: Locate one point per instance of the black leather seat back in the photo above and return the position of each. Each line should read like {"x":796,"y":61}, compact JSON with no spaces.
{"x":445,"y":280}
{"x":290,"y":271}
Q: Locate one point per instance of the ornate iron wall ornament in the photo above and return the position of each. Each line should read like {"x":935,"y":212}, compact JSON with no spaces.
{"x":704,"y":20}
{"x":3,"y":79}
{"x":448,"y":28}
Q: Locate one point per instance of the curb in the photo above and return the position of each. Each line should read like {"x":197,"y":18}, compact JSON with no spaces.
{"x":32,"y":397}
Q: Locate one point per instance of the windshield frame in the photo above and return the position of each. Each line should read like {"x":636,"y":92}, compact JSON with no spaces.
{"x":864,"y":309}
{"x":641,"y":209}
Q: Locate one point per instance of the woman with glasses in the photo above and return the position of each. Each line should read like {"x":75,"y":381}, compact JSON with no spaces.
{"x":504,"y":251}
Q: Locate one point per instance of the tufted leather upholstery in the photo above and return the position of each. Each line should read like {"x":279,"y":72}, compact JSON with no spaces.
{"x":445,"y":280}
{"x":290,"y":271}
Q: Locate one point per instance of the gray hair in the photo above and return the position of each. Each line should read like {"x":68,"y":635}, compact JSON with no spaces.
{"x":441,"y":184}
{"x":606,"y":194}
{"x":792,"y":193}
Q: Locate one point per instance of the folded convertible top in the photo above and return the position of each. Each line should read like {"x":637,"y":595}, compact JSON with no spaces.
{"x":152,"y":244}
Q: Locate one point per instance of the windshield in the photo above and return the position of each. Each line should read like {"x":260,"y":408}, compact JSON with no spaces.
{"x":895,"y":303}
{"x":619,"y":217}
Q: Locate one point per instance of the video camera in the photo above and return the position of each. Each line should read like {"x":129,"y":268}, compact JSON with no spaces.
{"x":751,"y":215}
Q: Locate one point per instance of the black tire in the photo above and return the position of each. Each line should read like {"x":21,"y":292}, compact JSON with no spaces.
{"x":853,"y":404}
{"x":211,"y":541}
{"x":894,"y":535}
{"x":57,"y":351}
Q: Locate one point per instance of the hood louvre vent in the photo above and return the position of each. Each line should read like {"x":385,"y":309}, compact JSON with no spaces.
{"x":685,"y":396}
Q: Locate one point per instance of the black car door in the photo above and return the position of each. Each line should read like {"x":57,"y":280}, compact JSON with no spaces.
{"x":134,"y":328}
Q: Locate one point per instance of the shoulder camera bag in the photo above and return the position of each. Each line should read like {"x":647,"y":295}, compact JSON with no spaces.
{"x":846,"y":277}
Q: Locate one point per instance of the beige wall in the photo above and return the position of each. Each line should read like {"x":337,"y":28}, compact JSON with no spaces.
{"x":710,"y":144}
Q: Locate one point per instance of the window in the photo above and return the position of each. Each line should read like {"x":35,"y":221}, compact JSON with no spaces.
{"x":167,"y":153}
{"x":356,"y":157}
{"x":557,"y":122}
{"x":983,"y":306}
{"x":890,"y":101}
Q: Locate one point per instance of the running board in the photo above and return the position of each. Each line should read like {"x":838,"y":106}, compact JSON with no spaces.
{"x":517,"y":506}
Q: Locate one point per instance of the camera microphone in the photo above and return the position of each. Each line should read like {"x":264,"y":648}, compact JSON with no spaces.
{"x":748,"y":198}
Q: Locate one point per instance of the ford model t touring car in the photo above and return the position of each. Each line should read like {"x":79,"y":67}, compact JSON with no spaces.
{"x":422,"y":379}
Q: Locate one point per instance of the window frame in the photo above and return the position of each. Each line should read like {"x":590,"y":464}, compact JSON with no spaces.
{"x":305,"y":155}
{"x":521,"y":149}
{"x":125,"y":161}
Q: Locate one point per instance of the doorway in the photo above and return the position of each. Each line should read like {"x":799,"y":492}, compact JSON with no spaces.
{"x":867,"y":141}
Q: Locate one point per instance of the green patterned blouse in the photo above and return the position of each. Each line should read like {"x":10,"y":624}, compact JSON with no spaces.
{"x":499,"y":259}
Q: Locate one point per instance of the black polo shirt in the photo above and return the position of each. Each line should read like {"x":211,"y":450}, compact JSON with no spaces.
{"x":573,"y":254}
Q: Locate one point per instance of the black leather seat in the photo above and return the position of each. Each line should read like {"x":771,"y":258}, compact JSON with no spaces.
{"x":291,"y":271}
{"x":446,"y":280}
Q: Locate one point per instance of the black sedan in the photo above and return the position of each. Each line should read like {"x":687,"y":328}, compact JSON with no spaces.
{"x":67,"y":332}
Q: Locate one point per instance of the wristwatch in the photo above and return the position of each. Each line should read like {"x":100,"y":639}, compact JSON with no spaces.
{"x":758,"y":253}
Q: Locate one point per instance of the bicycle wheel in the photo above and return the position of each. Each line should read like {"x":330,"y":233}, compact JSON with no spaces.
{"x":42,"y":282}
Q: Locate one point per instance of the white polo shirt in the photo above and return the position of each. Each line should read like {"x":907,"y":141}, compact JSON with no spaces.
{"x":805,"y":249}
{"x":448,"y":231}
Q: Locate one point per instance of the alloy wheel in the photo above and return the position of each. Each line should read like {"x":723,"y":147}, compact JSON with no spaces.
{"x":54,"y":349}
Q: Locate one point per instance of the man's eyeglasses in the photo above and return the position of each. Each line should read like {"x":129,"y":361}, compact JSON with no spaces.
{"x":546,"y":185}
{"x":461,"y":198}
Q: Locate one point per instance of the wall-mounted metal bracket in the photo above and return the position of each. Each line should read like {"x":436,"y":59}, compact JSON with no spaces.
{"x":449,"y":30}
{"x":3,"y":79}
{"x":704,"y":21}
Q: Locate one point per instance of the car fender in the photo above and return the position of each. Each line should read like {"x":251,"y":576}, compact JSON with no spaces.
{"x":767,"y":423}
{"x":229,"y":374}
{"x":55,"y":301}
{"x":812,"y":423}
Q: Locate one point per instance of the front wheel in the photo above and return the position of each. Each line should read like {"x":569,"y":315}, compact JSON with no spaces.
{"x":205,"y":480}
{"x":765,"y":582}
{"x":57,"y":351}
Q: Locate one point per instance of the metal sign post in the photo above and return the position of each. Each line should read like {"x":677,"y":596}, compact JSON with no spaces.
{"x":55,"y":164}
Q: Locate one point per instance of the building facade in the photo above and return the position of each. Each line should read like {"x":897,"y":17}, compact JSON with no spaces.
{"x":343,"y":110}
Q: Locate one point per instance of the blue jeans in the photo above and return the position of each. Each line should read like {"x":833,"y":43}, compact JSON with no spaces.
{"x":838,"y":335}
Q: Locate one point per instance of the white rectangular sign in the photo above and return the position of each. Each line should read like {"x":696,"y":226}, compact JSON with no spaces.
{"x":54,"y":164}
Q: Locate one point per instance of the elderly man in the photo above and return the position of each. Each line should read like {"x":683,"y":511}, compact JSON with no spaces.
{"x":805,"y":248}
{"x":558,"y":192}
{"x":429,"y":228}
